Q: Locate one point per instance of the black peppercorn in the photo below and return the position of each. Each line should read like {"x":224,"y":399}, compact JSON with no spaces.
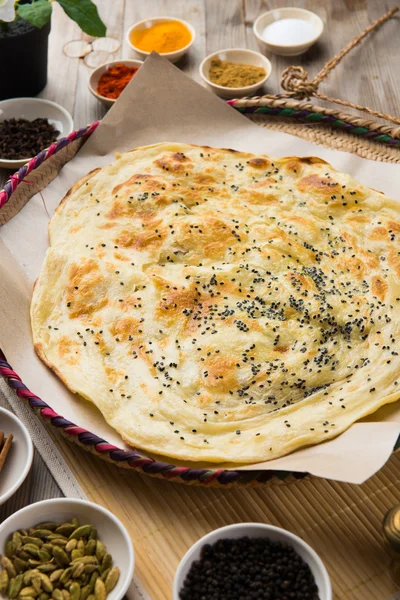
{"x":249,"y":569}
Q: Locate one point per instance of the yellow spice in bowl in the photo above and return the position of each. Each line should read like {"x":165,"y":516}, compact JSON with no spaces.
{"x":165,"y":37}
{"x":234,"y":75}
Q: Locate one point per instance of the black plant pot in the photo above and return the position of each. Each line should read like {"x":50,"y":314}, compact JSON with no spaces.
{"x":23,"y":63}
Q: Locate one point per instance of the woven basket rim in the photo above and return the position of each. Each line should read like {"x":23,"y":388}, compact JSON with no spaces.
{"x":135,"y":459}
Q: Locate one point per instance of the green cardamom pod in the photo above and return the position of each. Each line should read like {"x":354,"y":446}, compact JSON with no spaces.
{"x":47,"y":567}
{"x":112,"y":579}
{"x":44,"y":556}
{"x":87,"y":560}
{"x":75,"y":522}
{"x":85,"y":591}
{"x":41,"y":533}
{"x":93,"y":578}
{"x":28,"y":576}
{"x":71,"y":545}
{"x":65,"y":576}
{"x":44,"y":596}
{"x":90,"y":568}
{"x":100,"y":590}
{"x":31,"y":549}
{"x":8,"y":566}
{"x":81,"y":545}
{"x":91,"y":597}
{"x":46,"y":583}
{"x":106,"y":563}
{"x":56,"y":536}
{"x":76,"y":554}
{"x":104,"y":575}
{"x":59,"y":542}
{"x":4,"y":581}
{"x":22,"y":554}
{"x":50,"y":525}
{"x":93,"y":534}
{"x":47,"y":547}
{"x":33,"y":562}
{"x":66,"y":594}
{"x":28,"y":539}
{"x":66,"y":529}
{"x":75,"y":591}
{"x":90,"y":547}
{"x":77,"y":570}
{"x":28,"y":591}
{"x":20,"y":565}
{"x":10,"y":549}
{"x":57,"y":594}
{"x":55,"y":575}
{"x":100,"y":550}
{"x":16,"y":586}
{"x":80,"y":532}
{"x":61,"y":557}
{"x":17,"y":540}
{"x":37,"y":584}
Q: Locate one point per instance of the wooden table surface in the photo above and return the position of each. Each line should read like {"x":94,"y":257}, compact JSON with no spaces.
{"x":369,"y":76}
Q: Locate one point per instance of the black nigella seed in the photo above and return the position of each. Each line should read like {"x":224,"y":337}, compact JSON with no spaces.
{"x":249,"y":568}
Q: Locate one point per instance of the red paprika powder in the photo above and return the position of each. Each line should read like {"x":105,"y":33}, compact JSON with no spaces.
{"x":114,"y":80}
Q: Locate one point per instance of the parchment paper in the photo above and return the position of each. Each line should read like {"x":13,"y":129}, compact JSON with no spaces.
{"x":162,"y":104}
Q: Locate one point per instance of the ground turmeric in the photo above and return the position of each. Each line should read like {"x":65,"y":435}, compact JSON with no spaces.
{"x":165,"y":37}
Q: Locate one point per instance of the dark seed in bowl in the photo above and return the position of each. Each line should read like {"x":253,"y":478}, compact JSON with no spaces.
{"x":249,"y":569}
{"x":20,"y":138}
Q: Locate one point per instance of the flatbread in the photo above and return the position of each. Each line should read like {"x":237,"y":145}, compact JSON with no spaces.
{"x":221,"y":306}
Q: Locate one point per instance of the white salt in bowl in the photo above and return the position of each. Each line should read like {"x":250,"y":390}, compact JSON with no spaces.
{"x":110,"y":530}
{"x":287,"y":48}
{"x":257,"y":530}
{"x":240,"y":56}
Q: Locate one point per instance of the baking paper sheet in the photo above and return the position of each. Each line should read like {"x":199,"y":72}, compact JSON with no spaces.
{"x":162,"y":104}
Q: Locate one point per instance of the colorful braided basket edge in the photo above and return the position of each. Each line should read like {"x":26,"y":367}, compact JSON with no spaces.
{"x":133,"y":459}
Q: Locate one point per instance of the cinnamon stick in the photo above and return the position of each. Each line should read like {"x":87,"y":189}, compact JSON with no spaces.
{"x":5,"y":445}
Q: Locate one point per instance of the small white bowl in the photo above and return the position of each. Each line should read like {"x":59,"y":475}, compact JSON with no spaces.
{"x":147,"y":23}
{"x":257,"y":530}
{"x":110,"y":531}
{"x":235,"y":55}
{"x":30,"y":109}
{"x":97,"y":73}
{"x":287,"y":13}
{"x":19,"y":458}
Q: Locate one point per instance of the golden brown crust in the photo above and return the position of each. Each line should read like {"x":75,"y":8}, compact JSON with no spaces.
{"x":217,"y":305}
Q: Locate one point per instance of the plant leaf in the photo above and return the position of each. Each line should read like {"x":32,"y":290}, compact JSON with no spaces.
{"x":84,"y":12}
{"x":37,"y":14}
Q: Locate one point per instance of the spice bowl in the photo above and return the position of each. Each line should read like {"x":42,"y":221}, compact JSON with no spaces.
{"x":19,"y":458}
{"x":287,"y":46}
{"x":30,"y":109}
{"x":110,"y":531}
{"x":142,"y":26}
{"x":237,"y":56}
{"x":256,"y":530}
{"x":97,"y":73}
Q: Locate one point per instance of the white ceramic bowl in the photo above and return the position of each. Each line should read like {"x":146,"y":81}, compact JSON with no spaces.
{"x":147,"y":23}
{"x":287,"y":49}
{"x":30,"y":109}
{"x":19,"y":458}
{"x":110,"y":531}
{"x":235,"y":55}
{"x":257,"y":530}
{"x":97,"y":73}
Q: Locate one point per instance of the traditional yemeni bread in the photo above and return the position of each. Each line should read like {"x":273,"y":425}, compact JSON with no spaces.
{"x":221,"y":306}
